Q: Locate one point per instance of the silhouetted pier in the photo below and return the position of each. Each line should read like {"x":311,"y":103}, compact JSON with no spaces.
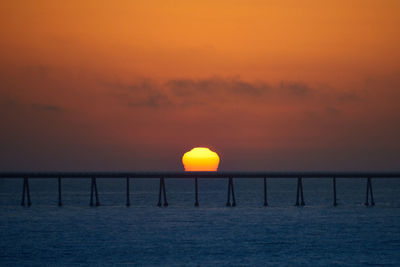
{"x":162,"y":196}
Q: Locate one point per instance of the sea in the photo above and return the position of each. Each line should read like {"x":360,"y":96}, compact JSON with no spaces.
{"x":281,"y":234}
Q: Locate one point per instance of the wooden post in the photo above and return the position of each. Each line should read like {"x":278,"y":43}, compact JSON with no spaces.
{"x":233,"y":193}
{"x":334,"y":192}
{"x":59,"y":192}
{"x":370,"y":190}
{"x":128,"y":203}
{"x":301,"y":188}
{"x":265,"y":192}
{"x":366,"y":195}
{"x":165,"y":193}
{"x":28,"y":194}
{"x":161,"y":191}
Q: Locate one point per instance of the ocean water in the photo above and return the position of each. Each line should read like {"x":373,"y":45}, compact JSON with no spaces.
{"x":143,"y":234}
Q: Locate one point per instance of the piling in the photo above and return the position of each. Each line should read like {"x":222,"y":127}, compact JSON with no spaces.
{"x":165,"y":194}
{"x":300,"y":192}
{"x":93,"y":189}
{"x":265,"y":192}
{"x":231,"y":190}
{"x":162,"y":191}
{"x":128,"y":202}
{"x":369,"y":191}
{"x":59,"y":192}
{"x":233,"y":194}
{"x":334,"y":192}
{"x":25,"y":190}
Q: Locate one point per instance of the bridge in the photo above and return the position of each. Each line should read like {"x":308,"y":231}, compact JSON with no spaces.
{"x":162,"y":196}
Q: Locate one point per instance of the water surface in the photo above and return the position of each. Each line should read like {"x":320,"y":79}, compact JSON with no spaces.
{"x":212,"y":234}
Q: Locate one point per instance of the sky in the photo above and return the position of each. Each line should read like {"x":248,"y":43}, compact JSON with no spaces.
{"x":133,"y":85}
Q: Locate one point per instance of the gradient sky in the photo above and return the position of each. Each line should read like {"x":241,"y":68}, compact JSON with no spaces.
{"x":132,"y":85}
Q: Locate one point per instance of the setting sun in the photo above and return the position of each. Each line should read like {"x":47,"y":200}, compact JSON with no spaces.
{"x":200,"y":159}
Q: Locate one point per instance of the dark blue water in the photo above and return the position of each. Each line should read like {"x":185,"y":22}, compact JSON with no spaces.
{"x":212,"y":234}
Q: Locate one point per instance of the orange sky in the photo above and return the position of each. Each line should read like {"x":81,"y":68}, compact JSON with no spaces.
{"x":132,"y":85}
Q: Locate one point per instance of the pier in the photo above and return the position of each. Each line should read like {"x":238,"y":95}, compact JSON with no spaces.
{"x":230,"y":176}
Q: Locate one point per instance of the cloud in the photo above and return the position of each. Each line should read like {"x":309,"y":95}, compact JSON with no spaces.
{"x":226,"y":92}
{"x":216,"y":86}
{"x":8,"y":103}
{"x":186,"y":93}
{"x":141,"y":93}
{"x":296,"y":88}
{"x":154,"y":99}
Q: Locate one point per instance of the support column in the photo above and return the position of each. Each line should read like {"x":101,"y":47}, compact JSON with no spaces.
{"x":369,"y":190}
{"x":231,"y":189}
{"x":196,"y":202}
{"x":233,"y":194}
{"x":162,"y":191}
{"x":334,"y":192}
{"x":165,"y":193}
{"x":93,"y":189}
{"x":299,"y":192}
{"x":25,"y":189}
{"x":128,"y":202}
{"x":265,"y":192}
{"x":59,"y":192}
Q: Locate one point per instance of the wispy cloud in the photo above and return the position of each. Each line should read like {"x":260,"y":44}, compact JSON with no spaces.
{"x":153,"y":99}
{"x":219,"y":91}
{"x":296,"y":88}
{"x":215,"y":86}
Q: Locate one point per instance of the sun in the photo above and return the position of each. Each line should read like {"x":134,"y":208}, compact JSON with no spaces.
{"x":200,"y":159}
